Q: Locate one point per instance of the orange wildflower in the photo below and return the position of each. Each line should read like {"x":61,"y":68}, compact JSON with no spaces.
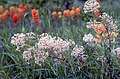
{"x":110,"y":35}
{"x":54,"y":14}
{"x":21,"y":12}
{"x":66,"y":12}
{"x":99,"y":28}
{"x":21,"y":6}
{"x":72,"y":13}
{"x":1,"y":9}
{"x":60,"y":16}
{"x":35,"y":17}
{"x":105,"y":37}
{"x":12,"y":10}
{"x":97,"y":12}
{"x":26,"y":7}
{"x":77,"y":11}
{"x":15,"y":18}
{"x":1,"y":17}
{"x":5,"y":14}
{"x":34,"y":12}
{"x":97,"y":39}
{"x":6,"y":11}
{"x":59,"y":13}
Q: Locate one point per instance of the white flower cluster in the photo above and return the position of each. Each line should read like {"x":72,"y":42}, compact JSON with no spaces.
{"x":106,"y":17}
{"x":88,"y":38}
{"x":27,"y":55}
{"x":78,"y":51}
{"x":46,"y":46}
{"x":19,"y":39}
{"x":29,"y":36}
{"x":54,"y":44}
{"x":109,"y":19}
{"x":90,"y":6}
{"x":90,"y":24}
{"x":40,"y":57}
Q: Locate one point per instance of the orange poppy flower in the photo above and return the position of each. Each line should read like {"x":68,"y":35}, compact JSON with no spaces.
{"x":15,"y":18}
{"x":21,"y":6}
{"x":97,"y":12}
{"x":99,"y":28}
{"x":72,"y":13}
{"x":26,"y":7}
{"x":77,"y":11}
{"x":1,"y":9}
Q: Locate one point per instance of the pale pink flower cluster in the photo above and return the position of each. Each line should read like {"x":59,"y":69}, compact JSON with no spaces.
{"x":78,"y":51}
{"x":88,"y":38}
{"x":54,"y":44}
{"x":19,"y":39}
{"x":47,"y":46}
{"x":44,"y":42}
{"x":106,"y":17}
{"x":29,"y":36}
{"x":90,"y":24}
{"x":40,"y":56}
{"x":109,"y":20}
{"x":33,"y":53}
{"x":27,"y":55}
{"x":90,"y":6}
{"x":118,"y":52}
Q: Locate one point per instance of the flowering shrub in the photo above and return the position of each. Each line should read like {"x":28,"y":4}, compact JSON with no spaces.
{"x":47,"y":46}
